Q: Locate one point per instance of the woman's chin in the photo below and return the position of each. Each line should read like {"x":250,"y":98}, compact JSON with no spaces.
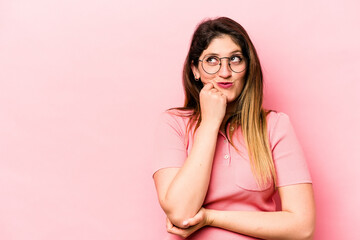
{"x":230,"y":99}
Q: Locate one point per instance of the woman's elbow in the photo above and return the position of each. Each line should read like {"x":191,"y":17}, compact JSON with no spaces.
{"x":306,"y":232}
{"x":175,"y":213}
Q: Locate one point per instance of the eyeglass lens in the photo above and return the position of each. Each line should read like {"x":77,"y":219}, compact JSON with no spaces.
{"x":212,"y":64}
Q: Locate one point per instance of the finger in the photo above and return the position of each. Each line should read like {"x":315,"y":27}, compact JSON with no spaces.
{"x":208,"y":86}
{"x":218,"y":93}
{"x":182,"y":232}
{"x":176,"y":230}
{"x":196,"y":219}
{"x":214,"y":90}
{"x":169,"y":225}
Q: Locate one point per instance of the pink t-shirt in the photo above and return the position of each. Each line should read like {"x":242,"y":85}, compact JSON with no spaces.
{"x":232,"y":185}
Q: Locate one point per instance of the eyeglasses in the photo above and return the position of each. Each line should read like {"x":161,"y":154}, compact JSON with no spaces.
{"x":212,"y":64}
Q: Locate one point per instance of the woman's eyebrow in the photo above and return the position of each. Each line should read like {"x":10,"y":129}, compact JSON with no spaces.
{"x":216,"y":54}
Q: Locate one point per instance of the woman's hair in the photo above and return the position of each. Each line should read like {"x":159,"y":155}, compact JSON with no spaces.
{"x":249,"y":113}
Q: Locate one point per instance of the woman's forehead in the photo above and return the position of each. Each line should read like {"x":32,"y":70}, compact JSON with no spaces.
{"x":223,"y":45}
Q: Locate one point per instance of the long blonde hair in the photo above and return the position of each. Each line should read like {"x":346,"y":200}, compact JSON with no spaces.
{"x":249,"y":114}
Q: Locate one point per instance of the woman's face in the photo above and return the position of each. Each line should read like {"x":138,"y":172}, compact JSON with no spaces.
{"x":230,"y":83}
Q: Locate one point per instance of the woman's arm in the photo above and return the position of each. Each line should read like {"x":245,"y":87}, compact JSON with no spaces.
{"x":181,"y":192}
{"x":295,"y":221}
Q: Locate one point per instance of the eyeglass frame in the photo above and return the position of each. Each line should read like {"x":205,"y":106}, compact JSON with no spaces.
{"x":219,"y":65}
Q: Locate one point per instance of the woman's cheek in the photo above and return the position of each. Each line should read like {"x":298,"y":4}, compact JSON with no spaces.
{"x":205,"y":78}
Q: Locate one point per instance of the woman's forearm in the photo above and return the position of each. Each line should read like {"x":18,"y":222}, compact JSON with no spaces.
{"x":265,"y":225}
{"x":187,"y":191}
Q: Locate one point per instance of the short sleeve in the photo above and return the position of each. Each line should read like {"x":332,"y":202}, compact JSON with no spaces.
{"x":289,"y":159}
{"x":170,"y":147}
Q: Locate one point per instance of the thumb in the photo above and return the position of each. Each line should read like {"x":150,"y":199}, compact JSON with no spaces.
{"x":194,"y":220}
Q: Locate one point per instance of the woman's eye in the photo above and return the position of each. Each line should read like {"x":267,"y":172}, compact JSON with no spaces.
{"x":236,"y":59}
{"x":212,"y":60}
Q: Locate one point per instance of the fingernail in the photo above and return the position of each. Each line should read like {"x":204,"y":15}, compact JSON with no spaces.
{"x":185,"y":223}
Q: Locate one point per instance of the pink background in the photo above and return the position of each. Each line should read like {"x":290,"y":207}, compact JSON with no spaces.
{"x":82,"y":84}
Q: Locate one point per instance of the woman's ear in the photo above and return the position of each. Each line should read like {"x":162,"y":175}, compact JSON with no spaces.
{"x":195,"y":71}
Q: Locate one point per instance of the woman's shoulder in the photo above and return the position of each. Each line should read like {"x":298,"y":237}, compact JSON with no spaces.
{"x":180,"y":114}
{"x":176,"y":117}
{"x":273,"y":116}
{"x":278,"y":123}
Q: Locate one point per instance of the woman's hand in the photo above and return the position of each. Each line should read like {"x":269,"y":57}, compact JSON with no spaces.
{"x":213,"y":104}
{"x":193,"y":224}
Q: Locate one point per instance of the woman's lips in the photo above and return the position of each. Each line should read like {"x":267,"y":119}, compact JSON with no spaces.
{"x":224,"y":84}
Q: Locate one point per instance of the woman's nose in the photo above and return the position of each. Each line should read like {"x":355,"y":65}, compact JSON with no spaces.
{"x":225,"y":70}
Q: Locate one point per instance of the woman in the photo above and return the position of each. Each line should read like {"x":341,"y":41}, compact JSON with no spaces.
{"x":222,"y":157}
